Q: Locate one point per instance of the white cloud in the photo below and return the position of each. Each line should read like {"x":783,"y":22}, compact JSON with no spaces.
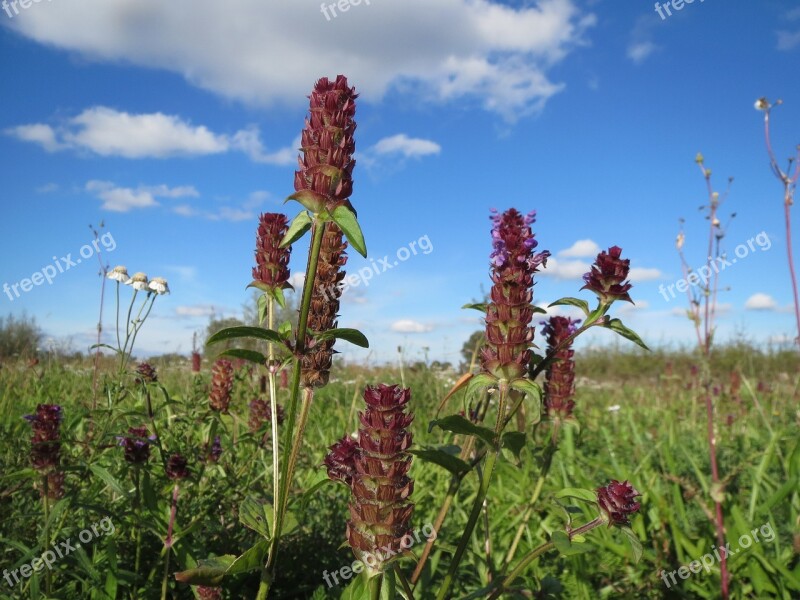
{"x":581,"y":249}
{"x":639,"y":51}
{"x":788,"y":40}
{"x":47,"y":188}
{"x":640,"y":274}
{"x":566,"y":269}
{"x":488,"y":52}
{"x":123,"y":199}
{"x":108,"y":132}
{"x":408,"y":147}
{"x":760,"y":301}
{"x":409,"y":326}
{"x":197,"y":310}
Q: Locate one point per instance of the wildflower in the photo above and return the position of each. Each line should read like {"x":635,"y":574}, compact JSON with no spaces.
{"x":340,"y":461}
{"x":326,"y":291}
{"x":325,"y":177}
{"x":608,"y":275}
{"x":221,"y":385}
{"x":159,"y":285}
{"x":138,"y":281}
{"x":208,"y":593}
{"x":616,"y":500}
{"x":46,"y":441}
{"x":55,"y":485}
{"x":261,"y":413}
{"x":177,"y":467}
{"x":214,"y":453}
{"x":147,"y":373}
{"x":119,"y":274}
{"x":376,"y":467}
{"x":508,"y":333}
{"x":136,"y":445}
{"x":272,"y":261}
{"x":559,"y":387}
{"x":196,"y":361}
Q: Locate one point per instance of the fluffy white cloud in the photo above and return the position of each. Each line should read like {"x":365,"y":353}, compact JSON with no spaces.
{"x":197,"y":310}
{"x":639,"y":51}
{"x":408,"y":147}
{"x":581,"y":249}
{"x":760,"y":301}
{"x":644,"y":274}
{"x":409,"y":326}
{"x":265,"y":52}
{"x":566,"y":269}
{"x":108,"y":132}
{"x":123,"y":199}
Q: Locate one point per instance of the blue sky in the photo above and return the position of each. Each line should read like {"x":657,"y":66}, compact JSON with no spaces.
{"x":176,"y":127}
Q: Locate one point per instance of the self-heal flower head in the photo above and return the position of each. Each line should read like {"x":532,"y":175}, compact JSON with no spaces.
{"x":214,"y":453}
{"x":272,"y":261}
{"x":119,"y":274}
{"x":138,"y":281}
{"x":158,"y":285}
{"x":340,"y":461}
{"x":146,"y":372}
{"x":559,"y":387}
{"x":221,"y":385}
{"x":177,"y":468}
{"x":380,"y":509}
{"x":136,"y":445}
{"x":326,"y":168}
{"x":513,"y":261}
{"x":46,"y":440}
{"x":608,"y":276}
{"x":617,"y":501}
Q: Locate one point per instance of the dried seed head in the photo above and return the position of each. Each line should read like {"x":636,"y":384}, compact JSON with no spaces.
{"x":221,"y":385}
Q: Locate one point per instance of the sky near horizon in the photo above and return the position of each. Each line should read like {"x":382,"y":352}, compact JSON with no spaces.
{"x":176,"y":124}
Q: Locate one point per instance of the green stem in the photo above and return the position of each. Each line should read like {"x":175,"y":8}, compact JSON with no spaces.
{"x":48,"y":577}
{"x":290,"y":440}
{"x":139,"y":322}
{"x":375,"y":585}
{"x":273,"y":404}
{"x":137,"y":518}
{"x":477,"y":506}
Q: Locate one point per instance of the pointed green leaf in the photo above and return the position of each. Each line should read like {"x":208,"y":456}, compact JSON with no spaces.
{"x":109,"y":479}
{"x":636,"y":545}
{"x":514,"y":441}
{"x":209,"y":572}
{"x":580,"y":494}
{"x":347,"y":222}
{"x":459,"y":424}
{"x":561,"y":541}
{"x":297,"y":228}
{"x":314,"y":202}
{"x":232,"y":333}
{"x":617,"y":326}
{"x":248,"y":355}
{"x":479,"y":383}
{"x":354,"y":336}
{"x":257,"y":515}
{"x":278,"y":294}
{"x":251,"y":560}
{"x":442,"y":457}
{"x":568,"y":301}
{"x":482,"y":306}
{"x":263,"y":302}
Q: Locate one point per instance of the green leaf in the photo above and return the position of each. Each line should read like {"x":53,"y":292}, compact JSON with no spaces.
{"x":257,"y":515}
{"x":636,"y":545}
{"x":580,"y":494}
{"x":314,"y":202}
{"x":459,"y":424}
{"x":109,"y":479}
{"x":478,"y":383}
{"x":479,"y":306}
{"x":232,"y":333}
{"x":561,"y":541}
{"x":354,"y":336}
{"x":297,"y":228}
{"x":358,"y":589}
{"x":251,"y":560}
{"x":285,"y":329}
{"x":347,"y":222}
{"x":534,"y":392}
{"x":93,"y":346}
{"x":568,"y":301}
{"x":277,"y":293}
{"x":263,"y":305}
{"x":248,"y":355}
{"x":209,"y":572}
{"x":444,"y":456}
{"x":617,"y":326}
{"x":514,"y":441}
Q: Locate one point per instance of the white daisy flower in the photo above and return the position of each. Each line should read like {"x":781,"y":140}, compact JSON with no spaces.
{"x":119,"y":273}
{"x":159,"y":285}
{"x":138,"y":281}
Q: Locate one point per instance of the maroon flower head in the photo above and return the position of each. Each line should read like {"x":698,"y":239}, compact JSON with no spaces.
{"x":272,"y":261}
{"x":177,"y":468}
{"x":196,"y":362}
{"x":559,"y":387}
{"x":608,"y":275}
{"x":46,"y":440}
{"x":261,"y":414}
{"x":508,"y":332}
{"x":221,"y":385}
{"x":380,"y":509}
{"x":326,"y":168}
{"x":340,"y":461}
{"x":209,"y":593}
{"x":617,"y":501}
{"x":146,"y":372}
{"x":136,"y":445}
